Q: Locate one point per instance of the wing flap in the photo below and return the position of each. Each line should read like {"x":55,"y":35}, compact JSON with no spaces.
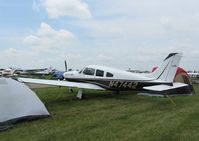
{"x":40,"y":82}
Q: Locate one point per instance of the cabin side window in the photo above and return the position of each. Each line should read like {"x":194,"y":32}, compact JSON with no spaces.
{"x":108,"y":74}
{"x":100,"y":73}
{"x":89,"y":71}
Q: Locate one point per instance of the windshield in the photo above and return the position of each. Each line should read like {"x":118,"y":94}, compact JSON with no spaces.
{"x":89,"y":71}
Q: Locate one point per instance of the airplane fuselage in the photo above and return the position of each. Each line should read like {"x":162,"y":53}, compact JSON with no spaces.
{"x":112,"y":79}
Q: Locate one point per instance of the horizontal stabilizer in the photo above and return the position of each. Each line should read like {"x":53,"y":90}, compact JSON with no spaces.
{"x":164,"y":87}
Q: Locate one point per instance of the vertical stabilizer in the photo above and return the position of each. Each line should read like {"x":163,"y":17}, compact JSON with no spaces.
{"x":166,"y":71}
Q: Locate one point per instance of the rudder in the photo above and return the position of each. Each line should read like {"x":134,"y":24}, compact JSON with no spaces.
{"x":167,"y":70}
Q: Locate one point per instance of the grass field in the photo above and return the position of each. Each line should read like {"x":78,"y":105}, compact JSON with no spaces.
{"x":104,"y":116}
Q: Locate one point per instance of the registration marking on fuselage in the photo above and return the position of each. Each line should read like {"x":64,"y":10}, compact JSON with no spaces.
{"x":123,"y":84}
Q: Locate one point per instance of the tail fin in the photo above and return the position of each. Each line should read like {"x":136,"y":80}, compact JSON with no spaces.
{"x":167,"y":70}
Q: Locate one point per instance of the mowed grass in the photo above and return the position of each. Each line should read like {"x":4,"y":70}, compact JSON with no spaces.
{"x":105,"y":116}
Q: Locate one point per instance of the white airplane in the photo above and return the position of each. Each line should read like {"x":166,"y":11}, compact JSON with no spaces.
{"x":1,"y":72}
{"x":159,"y":82}
{"x":7,"y":72}
{"x":194,"y":76}
{"x":43,"y":71}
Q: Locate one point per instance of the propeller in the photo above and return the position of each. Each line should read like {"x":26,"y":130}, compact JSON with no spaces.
{"x":65,"y":65}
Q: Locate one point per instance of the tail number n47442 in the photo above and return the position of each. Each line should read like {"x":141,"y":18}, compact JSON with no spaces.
{"x":123,"y":84}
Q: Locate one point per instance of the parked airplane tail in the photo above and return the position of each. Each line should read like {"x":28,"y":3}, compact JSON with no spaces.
{"x":167,"y":70}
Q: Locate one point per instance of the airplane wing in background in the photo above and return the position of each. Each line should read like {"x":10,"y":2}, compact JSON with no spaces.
{"x":37,"y":83}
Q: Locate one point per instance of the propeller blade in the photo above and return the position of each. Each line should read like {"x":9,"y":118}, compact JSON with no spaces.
{"x":65,"y":65}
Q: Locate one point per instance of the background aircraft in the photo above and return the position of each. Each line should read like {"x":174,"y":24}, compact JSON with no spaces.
{"x":7,"y":72}
{"x":42,"y":71}
{"x":159,"y":82}
{"x":59,"y":75}
{"x":16,"y":71}
{"x":194,"y":76}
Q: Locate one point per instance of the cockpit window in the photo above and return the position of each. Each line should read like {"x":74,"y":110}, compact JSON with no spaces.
{"x":108,"y":74}
{"x":89,"y":71}
{"x":100,"y":73}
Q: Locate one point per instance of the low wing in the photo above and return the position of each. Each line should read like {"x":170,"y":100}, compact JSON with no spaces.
{"x":35,"y":83}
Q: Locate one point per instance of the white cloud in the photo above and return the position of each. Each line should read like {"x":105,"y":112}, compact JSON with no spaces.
{"x":141,"y":32}
{"x":148,"y":19}
{"x":123,"y":34}
{"x":104,"y":57}
{"x":47,"y":39}
{"x":60,"y":8}
{"x":123,"y":28}
{"x":12,"y":52}
{"x":18,"y":58}
{"x":43,"y":48}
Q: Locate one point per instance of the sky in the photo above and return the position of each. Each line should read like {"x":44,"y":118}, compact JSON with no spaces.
{"x":124,"y":34}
